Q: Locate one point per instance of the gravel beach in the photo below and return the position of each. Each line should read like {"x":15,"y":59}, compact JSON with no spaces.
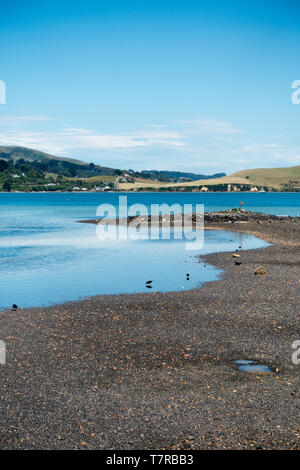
{"x":158,"y":371}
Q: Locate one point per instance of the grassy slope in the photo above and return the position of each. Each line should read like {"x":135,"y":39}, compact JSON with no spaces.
{"x":17,"y":152}
{"x":272,"y":177}
{"x":158,"y":184}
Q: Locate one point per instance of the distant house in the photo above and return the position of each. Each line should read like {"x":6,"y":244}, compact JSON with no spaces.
{"x":16,"y":176}
{"x":76,"y":188}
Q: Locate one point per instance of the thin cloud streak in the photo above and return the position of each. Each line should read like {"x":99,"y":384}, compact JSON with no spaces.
{"x":195,"y":144}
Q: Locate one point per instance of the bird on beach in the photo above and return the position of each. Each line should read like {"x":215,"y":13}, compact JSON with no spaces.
{"x":15,"y":307}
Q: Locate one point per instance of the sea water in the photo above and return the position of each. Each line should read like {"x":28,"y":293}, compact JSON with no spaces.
{"x":47,"y":257}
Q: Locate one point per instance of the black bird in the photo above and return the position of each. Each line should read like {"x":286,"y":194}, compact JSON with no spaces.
{"x":149,"y":282}
{"x":15,"y":307}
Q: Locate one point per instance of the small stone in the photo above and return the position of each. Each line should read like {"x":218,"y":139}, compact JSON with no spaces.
{"x":260,"y":270}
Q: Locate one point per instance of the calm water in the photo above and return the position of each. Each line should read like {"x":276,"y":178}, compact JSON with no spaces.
{"x":46,"y":257}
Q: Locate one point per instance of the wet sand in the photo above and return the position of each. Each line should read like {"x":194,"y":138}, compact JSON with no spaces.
{"x":157,"y":371}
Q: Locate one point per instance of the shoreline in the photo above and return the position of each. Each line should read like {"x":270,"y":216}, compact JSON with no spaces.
{"x":148,"y":192}
{"x":156,"y":370}
{"x":254,"y":223}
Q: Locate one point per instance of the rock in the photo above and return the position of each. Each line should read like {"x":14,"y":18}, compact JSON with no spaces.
{"x":235,"y":255}
{"x":260,"y":270}
{"x":238,"y":263}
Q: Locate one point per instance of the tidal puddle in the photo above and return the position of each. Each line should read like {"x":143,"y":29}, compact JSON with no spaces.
{"x":71,"y":263}
{"x":250,"y":366}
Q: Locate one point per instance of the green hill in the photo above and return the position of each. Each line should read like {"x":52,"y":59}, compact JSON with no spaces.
{"x":29,"y":154}
{"x":44,"y":162}
{"x":25,"y":169}
{"x":277,"y":178}
{"x":267,"y":179}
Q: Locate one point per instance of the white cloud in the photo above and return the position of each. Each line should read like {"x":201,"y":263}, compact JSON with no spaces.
{"x":11,"y":120}
{"x":273,"y":146}
{"x":204,"y":126}
{"x":200,"y":144}
{"x":66,"y":139}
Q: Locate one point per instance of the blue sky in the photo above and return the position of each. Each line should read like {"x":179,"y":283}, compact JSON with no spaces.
{"x":195,"y":86}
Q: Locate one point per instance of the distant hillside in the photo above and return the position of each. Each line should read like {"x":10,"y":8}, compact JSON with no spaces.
{"x":273,"y":177}
{"x":44,"y":162}
{"x":266,"y":179}
{"x":30,"y":154}
{"x":176,"y":175}
{"x":25,"y":169}
{"x":22,"y":164}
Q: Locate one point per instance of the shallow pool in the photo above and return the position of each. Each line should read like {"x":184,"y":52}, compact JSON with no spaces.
{"x":43,"y":267}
